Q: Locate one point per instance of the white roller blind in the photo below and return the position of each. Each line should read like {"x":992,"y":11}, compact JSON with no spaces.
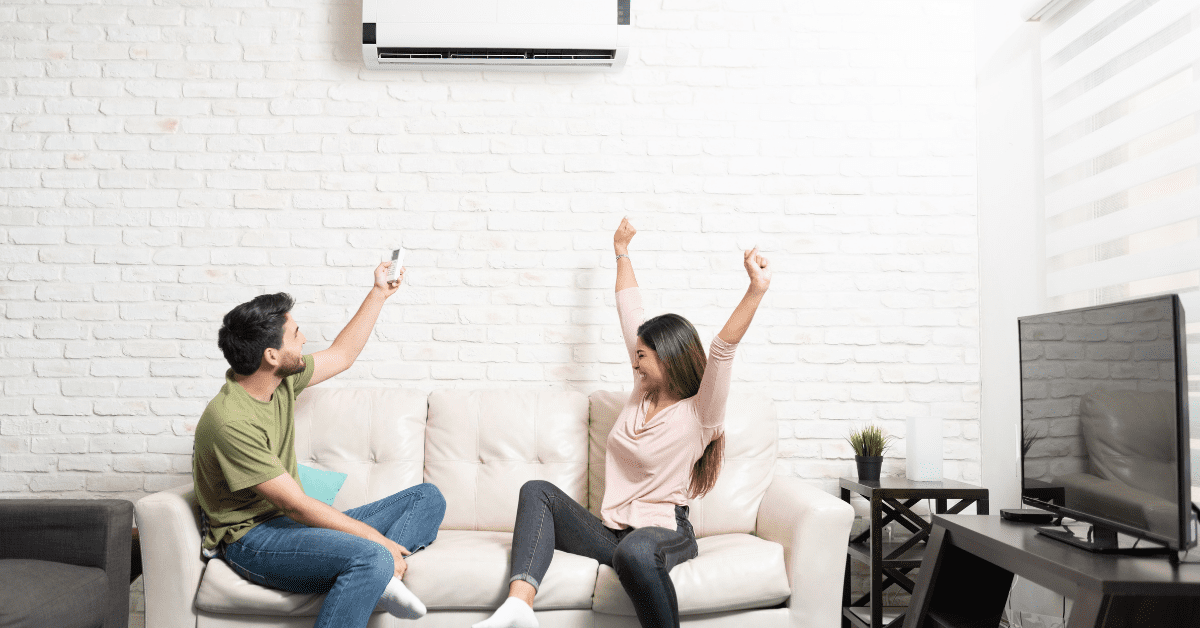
{"x":1121,"y":123}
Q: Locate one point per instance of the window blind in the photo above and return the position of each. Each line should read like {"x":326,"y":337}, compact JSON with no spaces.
{"x":1121,"y":124}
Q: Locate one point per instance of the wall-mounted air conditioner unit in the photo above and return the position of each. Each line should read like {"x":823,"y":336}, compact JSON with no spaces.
{"x":532,"y":35}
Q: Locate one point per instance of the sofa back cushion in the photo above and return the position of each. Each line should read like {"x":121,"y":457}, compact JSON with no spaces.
{"x":376,"y":436}
{"x":751,"y":439}
{"x":482,"y":445}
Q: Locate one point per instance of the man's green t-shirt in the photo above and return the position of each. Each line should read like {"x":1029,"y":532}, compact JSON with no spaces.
{"x":242,"y":442}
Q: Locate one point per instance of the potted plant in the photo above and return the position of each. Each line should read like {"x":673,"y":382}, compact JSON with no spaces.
{"x":869,"y":443}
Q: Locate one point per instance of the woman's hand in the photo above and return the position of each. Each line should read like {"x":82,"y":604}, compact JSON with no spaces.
{"x":758,"y":267}
{"x":621,"y":238}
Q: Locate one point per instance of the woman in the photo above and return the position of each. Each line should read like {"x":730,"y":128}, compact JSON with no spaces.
{"x":665,"y":447}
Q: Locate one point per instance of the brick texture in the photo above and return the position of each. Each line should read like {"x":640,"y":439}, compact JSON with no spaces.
{"x":160,"y":164}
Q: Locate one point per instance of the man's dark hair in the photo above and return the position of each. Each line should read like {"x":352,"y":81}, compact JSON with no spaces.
{"x":253,"y":327}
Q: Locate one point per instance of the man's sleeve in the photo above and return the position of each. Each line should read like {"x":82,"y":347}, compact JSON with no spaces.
{"x":300,"y":380}
{"x":245,"y":457}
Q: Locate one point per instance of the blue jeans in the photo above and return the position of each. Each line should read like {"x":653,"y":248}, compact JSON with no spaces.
{"x":284,"y":554}
{"x":548,"y":519}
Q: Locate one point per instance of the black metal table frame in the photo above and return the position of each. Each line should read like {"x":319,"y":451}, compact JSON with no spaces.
{"x":894,"y":504}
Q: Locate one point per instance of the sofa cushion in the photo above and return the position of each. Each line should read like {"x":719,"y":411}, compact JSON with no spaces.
{"x":732,"y":572}
{"x":40,"y":593}
{"x":465,"y":569}
{"x":751,"y":438}
{"x":481,"y":446}
{"x":462,"y":570}
{"x":374,"y":435}
{"x":222,"y":590}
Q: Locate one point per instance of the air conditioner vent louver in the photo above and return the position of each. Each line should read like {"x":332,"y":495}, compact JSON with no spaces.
{"x":499,"y":53}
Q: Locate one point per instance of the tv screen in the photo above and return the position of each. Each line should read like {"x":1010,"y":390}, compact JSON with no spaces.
{"x":1104,"y":417}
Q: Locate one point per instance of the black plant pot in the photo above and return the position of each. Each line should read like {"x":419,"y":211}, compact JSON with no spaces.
{"x":868,"y":467}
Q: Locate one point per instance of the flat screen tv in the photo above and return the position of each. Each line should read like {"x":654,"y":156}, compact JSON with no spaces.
{"x":1104,"y":423}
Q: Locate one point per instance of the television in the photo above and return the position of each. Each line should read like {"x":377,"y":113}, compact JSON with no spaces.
{"x":1104,"y":423}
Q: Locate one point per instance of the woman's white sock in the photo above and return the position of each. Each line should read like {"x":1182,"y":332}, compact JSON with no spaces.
{"x":399,"y":601}
{"x":513,"y":613}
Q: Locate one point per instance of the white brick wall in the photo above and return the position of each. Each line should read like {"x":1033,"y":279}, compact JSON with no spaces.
{"x":160,"y":164}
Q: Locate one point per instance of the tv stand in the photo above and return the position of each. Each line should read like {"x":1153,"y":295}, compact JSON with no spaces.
{"x":970,"y":562}
{"x":1102,"y":540}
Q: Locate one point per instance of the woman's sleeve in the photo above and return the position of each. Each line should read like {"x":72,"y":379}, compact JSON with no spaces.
{"x":714,"y":386}
{"x":631,"y":312}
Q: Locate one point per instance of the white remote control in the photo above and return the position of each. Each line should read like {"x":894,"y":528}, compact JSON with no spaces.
{"x":397,"y":263}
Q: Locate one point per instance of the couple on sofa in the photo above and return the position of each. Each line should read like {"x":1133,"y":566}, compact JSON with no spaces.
{"x":665,"y":447}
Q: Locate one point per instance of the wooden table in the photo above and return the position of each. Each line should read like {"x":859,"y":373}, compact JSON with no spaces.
{"x":892,"y":500}
{"x":970,"y":563}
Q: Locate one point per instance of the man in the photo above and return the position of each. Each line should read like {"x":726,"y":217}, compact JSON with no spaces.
{"x":254,"y":512}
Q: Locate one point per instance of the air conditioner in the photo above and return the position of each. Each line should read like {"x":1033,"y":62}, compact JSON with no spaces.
{"x":530,"y":35}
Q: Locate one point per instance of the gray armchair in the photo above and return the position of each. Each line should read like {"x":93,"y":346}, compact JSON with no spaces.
{"x":65,"y":563}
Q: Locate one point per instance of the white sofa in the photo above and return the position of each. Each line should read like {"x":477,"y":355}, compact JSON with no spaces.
{"x":772,"y":548}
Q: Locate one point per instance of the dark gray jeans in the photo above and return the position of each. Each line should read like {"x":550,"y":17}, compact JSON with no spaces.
{"x":548,"y":519}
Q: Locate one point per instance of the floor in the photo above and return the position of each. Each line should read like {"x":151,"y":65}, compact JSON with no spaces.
{"x":137,"y":604}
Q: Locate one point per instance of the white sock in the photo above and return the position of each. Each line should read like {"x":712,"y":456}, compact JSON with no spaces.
{"x":400,"y":602}
{"x":513,"y":613}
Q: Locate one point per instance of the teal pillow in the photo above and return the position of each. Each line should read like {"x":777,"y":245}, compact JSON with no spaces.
{"x":320,"y":484}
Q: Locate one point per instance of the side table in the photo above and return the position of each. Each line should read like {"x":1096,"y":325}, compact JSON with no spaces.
{"x":892,"y":500}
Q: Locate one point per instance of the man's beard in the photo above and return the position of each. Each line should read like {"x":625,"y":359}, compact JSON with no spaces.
{"x":286,"y":371}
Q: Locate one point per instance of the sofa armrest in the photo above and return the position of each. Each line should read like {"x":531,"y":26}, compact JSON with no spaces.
{"x":814,"y":529}
{"x":168,"y":525}
{"x":88,"y":533}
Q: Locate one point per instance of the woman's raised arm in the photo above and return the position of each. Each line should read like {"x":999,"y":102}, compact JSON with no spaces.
{"x":758,"y":268}
{"x":714,"y":386}
{"x":629,"y":304}
{"x":621,"y":238}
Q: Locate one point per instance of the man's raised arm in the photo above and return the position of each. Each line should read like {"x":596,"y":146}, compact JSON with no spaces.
{"x":350,"y":342}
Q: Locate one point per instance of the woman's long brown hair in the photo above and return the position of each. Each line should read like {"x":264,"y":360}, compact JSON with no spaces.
{"x":678,"y":346}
